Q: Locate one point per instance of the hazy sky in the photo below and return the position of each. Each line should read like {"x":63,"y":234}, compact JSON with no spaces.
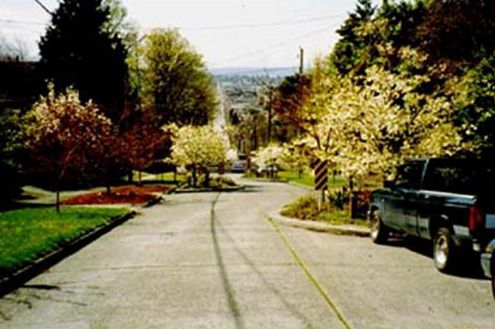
{"x":247,"y":33}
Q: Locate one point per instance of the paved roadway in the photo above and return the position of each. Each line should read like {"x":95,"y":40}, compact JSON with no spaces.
{"x":215,"y":261}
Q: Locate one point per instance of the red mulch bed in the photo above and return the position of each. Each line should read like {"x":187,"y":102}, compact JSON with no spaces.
{"x":120,"y":195}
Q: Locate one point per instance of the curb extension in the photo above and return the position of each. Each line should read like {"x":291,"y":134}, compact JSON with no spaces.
{"x":16,"y":280}
{"x":351,"y":230}
{"x":210,"y":190}
{"x":158,"y":198}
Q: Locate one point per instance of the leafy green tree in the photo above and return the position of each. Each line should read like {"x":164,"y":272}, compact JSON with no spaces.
{"x":81,"y":48}
{"x":348,"y":50}
{"x":175,"y":82}
{"x":290,"y":96}
{"x":473,"y":95}
{"x":458,"y":32}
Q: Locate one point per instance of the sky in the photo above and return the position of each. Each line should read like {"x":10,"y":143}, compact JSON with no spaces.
{"x":228,"y":33}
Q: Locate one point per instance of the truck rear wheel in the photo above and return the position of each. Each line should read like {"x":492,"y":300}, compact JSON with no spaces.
{"x":378,"y":231}
{"x":444,"y":251}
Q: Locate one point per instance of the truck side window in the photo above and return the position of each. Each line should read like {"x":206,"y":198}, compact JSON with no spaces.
{"x":453,"y":176}
{"x":409,"y":175}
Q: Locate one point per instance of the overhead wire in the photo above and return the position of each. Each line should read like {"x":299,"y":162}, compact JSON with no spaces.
{"x":273,"y":46}
{"x":262,"y":25}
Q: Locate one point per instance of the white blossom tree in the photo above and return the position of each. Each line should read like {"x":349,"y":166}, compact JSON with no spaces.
{"x":196,"y":147}
{"x":370,"y":125}
{"x":270,"y":157}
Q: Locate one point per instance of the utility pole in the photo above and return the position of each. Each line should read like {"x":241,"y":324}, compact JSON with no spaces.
{"x":270,"y":112}
{"x":301,"y":60}
{"x":301,"y":71}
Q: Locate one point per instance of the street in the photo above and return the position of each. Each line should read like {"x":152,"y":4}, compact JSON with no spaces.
{"x":216,"y":260}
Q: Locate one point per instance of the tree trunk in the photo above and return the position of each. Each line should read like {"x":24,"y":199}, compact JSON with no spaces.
{"x":57,"y":202}
{"x":207,"y":178}
{"x":194,"y":177}
{"x":57,"y":196}
{"x":108,"y":182}
{"x":351,"y":196}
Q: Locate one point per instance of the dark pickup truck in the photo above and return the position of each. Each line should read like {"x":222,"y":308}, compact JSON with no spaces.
{"x":448,"y":201}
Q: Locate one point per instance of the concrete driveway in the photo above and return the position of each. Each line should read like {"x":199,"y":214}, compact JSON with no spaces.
{"x":215,"y":261}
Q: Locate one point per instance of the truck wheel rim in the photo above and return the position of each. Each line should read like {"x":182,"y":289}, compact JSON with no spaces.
{"x":441,"y":251}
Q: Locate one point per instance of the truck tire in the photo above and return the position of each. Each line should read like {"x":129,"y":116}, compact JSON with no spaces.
{"x":444,"y":251}
{"x":379,"y":233}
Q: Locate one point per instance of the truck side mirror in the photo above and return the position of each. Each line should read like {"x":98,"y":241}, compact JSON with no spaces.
{"x":389,"y":184}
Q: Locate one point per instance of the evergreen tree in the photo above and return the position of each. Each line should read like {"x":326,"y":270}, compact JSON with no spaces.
{"x":347,"y":51}
{"x":79,"y":49}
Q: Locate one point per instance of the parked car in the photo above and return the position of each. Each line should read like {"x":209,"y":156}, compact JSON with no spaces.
{"x":448,"y":201}
{"x":488,"y":263}
{"x":239,"y":166}
{"x":267,"y":170}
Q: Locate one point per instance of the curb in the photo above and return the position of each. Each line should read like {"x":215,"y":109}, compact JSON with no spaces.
{"x":207,"y":190}
{"x":267,"y":180}
{"x":352,"y":230}
{"x":17,"y":279}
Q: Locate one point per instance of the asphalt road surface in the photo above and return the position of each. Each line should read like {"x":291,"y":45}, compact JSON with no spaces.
{"x":215,"y":260}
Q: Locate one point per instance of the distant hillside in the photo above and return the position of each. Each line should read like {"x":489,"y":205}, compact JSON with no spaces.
{"x":254,"y":71}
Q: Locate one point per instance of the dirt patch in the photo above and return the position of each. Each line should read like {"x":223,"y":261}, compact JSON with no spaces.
{"x":120,"y":195}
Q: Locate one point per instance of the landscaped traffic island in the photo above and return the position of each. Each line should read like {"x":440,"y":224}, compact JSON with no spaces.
{"x":131,"y":194}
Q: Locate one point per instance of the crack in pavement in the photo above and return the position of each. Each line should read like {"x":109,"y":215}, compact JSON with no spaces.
{"x":227,"y":285}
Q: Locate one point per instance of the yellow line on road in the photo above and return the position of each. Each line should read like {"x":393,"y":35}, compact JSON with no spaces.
{"x":308,"y":273}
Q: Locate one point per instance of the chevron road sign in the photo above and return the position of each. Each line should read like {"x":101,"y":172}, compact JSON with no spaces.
{"x":321,"y":175}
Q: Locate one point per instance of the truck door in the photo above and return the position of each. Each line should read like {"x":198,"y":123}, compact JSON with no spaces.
{"x":404,"y":198}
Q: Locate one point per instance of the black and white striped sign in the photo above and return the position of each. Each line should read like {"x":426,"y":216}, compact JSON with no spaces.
{"x":321,"y":175}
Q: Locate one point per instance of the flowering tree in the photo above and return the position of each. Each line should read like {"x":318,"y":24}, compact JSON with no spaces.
{"x":64,"y":136}
{"x":196,"y":147}
{"x":142,"y":144}
{"x":371,"y":125}
{"x":269,"y":157}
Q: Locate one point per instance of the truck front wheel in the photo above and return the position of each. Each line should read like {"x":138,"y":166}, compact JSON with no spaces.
{"x":444,"y":250}
{"x":378,"y":231}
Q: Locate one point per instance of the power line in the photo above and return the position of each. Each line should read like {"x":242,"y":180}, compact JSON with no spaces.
{"x":261,"y":25}
{"x":45,"y":8}
{"x":16,"y":22}
{"x":279,"y":44}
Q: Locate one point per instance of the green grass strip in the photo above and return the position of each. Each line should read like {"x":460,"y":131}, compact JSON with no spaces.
{"x":308,"y":273}
{"x":28,"y":234}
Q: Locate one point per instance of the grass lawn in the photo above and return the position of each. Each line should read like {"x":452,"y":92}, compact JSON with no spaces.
{"x":165,"y":177}
{"x":28,"y":234}
{"x":308,"y":180}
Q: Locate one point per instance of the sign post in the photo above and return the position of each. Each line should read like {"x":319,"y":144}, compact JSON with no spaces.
{"x":321,"y":180}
